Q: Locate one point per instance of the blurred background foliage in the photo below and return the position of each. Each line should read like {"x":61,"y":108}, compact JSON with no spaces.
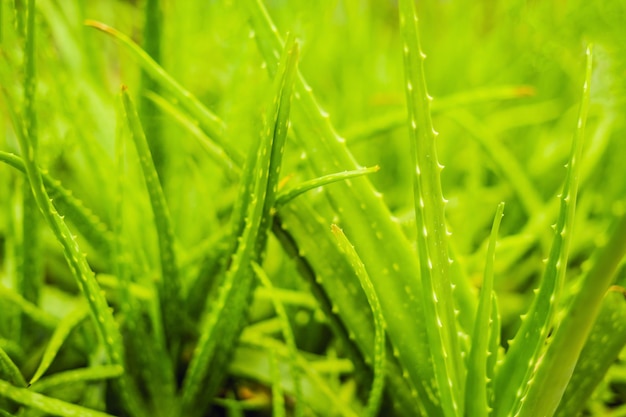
{"x":506,"y":78}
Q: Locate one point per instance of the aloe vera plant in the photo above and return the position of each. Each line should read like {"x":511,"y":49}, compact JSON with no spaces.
{"x":270,"y":230}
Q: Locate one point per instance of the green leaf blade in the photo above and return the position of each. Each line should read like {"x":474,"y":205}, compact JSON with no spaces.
{"x":378,"y":384}
{"x":476,"y":395}
{"x":46,"y":404}
{"x":212,"y":124}
{"x":432,"y":233}
{"x":58,"y":337}
{"x":286,"y":196}
{"x":515,"y":380}
{"x":387,"y":253}
{"x":226,"y":316}
{"x":170,"y":287}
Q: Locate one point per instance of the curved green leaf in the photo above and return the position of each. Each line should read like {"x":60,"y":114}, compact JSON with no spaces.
{"x":375,"y":397}
{"x":476,"y":395}
{"x":514,"y":379}
{"x":170,"y":288}
{"x":432,"y":243}
{"x":48,"y":405}
{"x":289,"y":341}
{"x":59,"y":336}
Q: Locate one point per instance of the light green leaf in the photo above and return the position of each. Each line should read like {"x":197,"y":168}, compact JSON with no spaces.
{"x":289,"y":341}
{"x":227,"y":312}
{"x":71,"y":377}
{"x":286,"y":196}
{"x":476,"y":395}
{"x":9,"y":370}
{"x":514,"y":379}
{"x":375,"y":396}
{"x":59,"y":336}
{"x":432,"y":243}
{"x":170,"y":288}
{"x":48,"y":405}
{"x":602,"y":347}
{"x":210,"y":123}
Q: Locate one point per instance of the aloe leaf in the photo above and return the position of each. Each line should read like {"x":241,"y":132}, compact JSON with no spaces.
{"x":476,"y":395}
{"x":285,"y":196}
{"x":155,"y":369}
{"x":400,"y":388}
{"x":38,"y":315}
{"x":495,"y":350}
{"x":533,"y":228}
{"x":375,"y":396}
{"x":208,"y":275}
{"x":49,"y":405}
{"x":68,"y":378}
{"x":59,"y":336}
{"x":87,"y":223}
{"x":514,"y":378}
{"x":227,"y":312}
{"x":170,"y":287}
{"x":210,"y":123}
{"x":289,"y":341}
{"x":224,"y":312}
{"x":30,"y":276}
{"x":387,"y":254}
{"x":102,"y":315}
{"x":342,"y":301}
{"x":431,"y":234}
{"x":278,"y":400}
{"x":9,"y":370}
{"x":558,"y":363}
{"x":276,"y":129}
{"x":599,"y":353}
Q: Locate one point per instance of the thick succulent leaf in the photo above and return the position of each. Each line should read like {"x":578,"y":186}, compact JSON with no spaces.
{"x":285,"y":196}
{"x":48,"y":405}
{"x":228,"y":312}
{"x":387,"y":254}
{"x":170,"y":288}
{"x":343,"y":301}
{"x":105,"y":324}
{"x":432,"y":243}
{"x":515,"y":378}
{"x":86,"y":222}
{"x":59,"y":336}
{"x":152,"y":367}
{"x":375,"y":397}
{"x":476,"y":395}
{"x":9,"y":370}
{"x":558,"y":363}
{"x":68,"y":378}
{"x":606,"y":340}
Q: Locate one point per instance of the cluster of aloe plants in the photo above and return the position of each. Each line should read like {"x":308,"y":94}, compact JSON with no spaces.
{"x":184,"y":230}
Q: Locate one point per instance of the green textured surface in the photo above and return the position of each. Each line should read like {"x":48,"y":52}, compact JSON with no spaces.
{"x":183,"y":258}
